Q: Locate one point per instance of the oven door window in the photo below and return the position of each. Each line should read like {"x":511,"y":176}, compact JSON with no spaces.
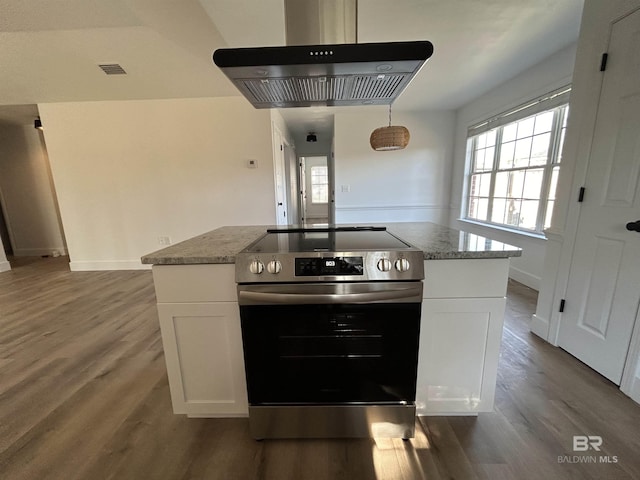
{"x":319,"y":354}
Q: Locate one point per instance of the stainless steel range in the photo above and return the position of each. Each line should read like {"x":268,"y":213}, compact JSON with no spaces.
{"x":330,"y":326}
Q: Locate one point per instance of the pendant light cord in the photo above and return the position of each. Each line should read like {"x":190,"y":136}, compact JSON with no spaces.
{"x":389,"y":114}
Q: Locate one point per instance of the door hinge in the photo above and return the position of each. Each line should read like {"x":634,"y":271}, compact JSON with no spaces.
{"x":603,"y":62}
{"x":281,"y":148}
{"x":581,"y":195}
{"x":561,"y":306}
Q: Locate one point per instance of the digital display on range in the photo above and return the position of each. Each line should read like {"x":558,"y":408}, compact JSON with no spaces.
{"x":316,"y":267}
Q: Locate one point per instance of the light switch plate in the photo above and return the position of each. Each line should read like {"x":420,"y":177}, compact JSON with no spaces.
{"x":164,"y":240}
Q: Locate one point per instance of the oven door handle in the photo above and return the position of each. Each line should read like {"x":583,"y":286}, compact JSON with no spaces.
{"x":393,"y":294}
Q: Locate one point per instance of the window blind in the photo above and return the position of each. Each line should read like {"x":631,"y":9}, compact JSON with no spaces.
{"x":545,"y":102}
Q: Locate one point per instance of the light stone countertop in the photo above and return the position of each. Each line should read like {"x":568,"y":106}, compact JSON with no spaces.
{"x":436,"y":241}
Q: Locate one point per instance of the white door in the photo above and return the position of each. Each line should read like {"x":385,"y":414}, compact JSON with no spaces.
{"x":332,"y":189}
{"x":279,"y":178}
{"x":603,"y":292}
{"x":291,"y":179}
{"x":303,"y":191}
{"x":316,"y":176}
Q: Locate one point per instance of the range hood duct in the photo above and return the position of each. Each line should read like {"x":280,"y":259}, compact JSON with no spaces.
{"x":319,"y":67}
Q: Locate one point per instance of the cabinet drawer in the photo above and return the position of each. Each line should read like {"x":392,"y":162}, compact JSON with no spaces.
{"x":466,"y":278}
{"x":195,"y":283}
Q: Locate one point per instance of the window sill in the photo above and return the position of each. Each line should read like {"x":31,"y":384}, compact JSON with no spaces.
{"x":538,"y":236}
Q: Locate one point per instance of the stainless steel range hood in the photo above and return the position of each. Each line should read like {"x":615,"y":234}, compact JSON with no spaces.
{"x":320,"y":74}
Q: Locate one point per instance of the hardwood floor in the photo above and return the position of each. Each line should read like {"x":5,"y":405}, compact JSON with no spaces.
{"x":84,"y":395}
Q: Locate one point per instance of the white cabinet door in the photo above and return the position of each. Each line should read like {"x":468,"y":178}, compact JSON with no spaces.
{"x":458,"y":356}
{"x":203,"y":351}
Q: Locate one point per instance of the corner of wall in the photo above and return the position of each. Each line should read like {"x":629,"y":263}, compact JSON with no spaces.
{"x":539,"y":326}
{"x":525,"y":277}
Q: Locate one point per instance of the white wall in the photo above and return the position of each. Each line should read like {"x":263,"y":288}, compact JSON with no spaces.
{"x":127,"y":172}
{"x":278,"y":121}
{"x":552,"y":73}
{"x":404,"y":185}
{"x":27,"y":192}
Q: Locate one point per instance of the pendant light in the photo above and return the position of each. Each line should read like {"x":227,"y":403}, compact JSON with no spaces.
{"x":393,"y":137}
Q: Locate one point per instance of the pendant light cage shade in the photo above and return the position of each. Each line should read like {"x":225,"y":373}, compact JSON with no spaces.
{"x":393,"y":137}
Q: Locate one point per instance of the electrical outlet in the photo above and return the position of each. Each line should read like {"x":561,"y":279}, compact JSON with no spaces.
{"x":251,"y":163}
{"x":164,"y":240}
{"x":345,"y":188}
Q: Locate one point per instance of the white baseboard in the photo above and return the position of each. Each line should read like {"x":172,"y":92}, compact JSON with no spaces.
{"x":531,"y":281}
{"x":632,"y":389}
{"x":5,"y":266}
{"x":539,"y":326}
{"x":38,"y":252}
{"x":85,"y":266}
{"x":635,"y":391}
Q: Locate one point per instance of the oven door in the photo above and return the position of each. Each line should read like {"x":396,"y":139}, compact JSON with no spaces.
{"x":331,"y":343}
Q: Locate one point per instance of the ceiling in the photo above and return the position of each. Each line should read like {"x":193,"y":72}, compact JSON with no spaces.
{"x":50,"y":49}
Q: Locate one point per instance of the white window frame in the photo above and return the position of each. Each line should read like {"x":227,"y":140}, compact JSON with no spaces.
{"x":555,"y":101}
{"x":326,"y":184}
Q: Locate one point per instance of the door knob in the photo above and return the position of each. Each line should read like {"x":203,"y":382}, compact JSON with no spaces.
{"x":634,"y":226}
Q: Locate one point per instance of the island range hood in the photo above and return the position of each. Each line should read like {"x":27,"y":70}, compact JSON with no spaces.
{"x":305,"y":74}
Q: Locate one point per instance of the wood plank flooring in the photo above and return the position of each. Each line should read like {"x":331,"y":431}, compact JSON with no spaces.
{"x":84,"y":395}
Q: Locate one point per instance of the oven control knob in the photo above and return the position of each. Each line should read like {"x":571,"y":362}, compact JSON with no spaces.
{"x":274,"y":266}
{"x":402,"y":265}
{"x":384,"y":265}
{"x":256,"y":266}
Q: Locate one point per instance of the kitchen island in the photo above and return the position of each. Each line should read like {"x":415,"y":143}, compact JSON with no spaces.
{"x":460,"y":333}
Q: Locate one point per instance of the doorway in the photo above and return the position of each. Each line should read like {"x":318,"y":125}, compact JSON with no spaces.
{"x":316,"y":191}
{"x":30,"y":222}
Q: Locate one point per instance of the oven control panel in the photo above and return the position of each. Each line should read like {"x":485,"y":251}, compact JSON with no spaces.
{"x":362,"y":266}
{"x":334,"y":266}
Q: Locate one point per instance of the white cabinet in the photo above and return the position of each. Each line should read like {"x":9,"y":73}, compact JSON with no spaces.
{"x":458,"y":356}
{"x":461,"y":329}
{"x":460,"y":335}
{"x":202,"y":340}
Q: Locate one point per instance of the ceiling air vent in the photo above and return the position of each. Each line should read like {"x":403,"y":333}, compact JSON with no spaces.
{"x":112,"y":69}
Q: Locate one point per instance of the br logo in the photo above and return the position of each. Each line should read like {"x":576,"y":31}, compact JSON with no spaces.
{"x":583,"y":443}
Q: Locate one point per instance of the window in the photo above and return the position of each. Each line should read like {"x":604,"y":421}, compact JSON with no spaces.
{"x":514,"y":168}
{"x":319,"y":184}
